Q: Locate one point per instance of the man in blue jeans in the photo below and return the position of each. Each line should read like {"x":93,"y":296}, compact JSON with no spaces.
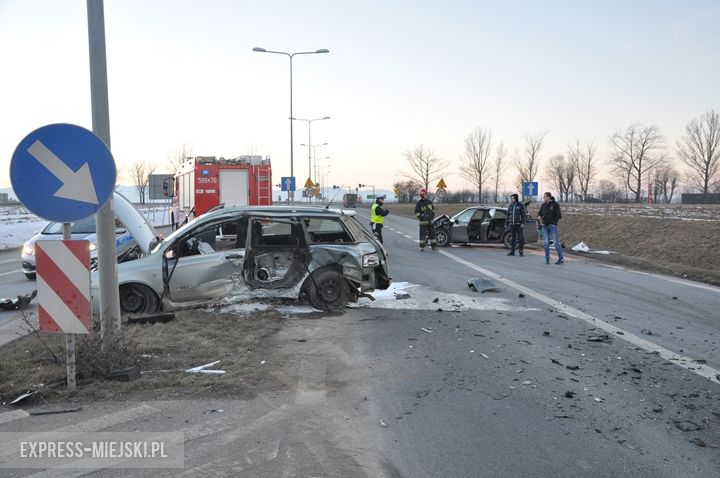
{"x":550,"y":215}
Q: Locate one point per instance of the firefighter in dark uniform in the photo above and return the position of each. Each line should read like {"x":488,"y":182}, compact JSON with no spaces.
{"x":425,"y":213}
{"x":377,"y":217}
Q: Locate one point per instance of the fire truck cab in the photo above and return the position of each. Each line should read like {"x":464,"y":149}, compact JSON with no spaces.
{"x":204,"y":182}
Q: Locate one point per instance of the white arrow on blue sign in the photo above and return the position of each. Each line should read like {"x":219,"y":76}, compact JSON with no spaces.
{"x":530,"y":188}
{"x":62,"y":172}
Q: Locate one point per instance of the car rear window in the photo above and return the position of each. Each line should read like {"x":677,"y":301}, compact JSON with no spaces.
{"x":324,"y":230}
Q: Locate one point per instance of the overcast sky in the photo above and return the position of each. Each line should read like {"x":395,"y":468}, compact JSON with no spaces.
{"x":399,"y":73}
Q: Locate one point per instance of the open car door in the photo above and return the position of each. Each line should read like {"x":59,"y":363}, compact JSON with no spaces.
{"x":206,"y":261}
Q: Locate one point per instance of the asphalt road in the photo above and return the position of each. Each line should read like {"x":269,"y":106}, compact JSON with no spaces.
{"x":495,"y":385}
{"x":456,"y":413}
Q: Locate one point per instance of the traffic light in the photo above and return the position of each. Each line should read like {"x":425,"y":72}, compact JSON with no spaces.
{"x":169,"y":187}
{"x":361,"y":185}
{"x":336,"y":187}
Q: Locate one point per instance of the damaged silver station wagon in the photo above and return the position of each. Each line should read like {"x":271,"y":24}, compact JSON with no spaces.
{"x":323,"y":255}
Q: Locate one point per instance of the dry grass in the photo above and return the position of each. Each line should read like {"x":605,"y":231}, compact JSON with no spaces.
{"x":664,"y":243}
{"x":195,"y":338}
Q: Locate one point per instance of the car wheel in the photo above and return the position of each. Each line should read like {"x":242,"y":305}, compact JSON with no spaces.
{"x":329,"y":290}
{"x":138,"y":299}
{"x":30,"y":276}
{"x":443,"y":237}
{"x":507,"y":237}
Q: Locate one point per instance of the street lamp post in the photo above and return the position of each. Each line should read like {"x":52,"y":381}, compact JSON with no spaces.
{"x":314,"y":154}
{"x":309,"y":143}
{"x":291,"y":194}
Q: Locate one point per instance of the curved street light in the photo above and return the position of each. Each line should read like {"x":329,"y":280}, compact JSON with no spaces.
{"x":291,"y":194}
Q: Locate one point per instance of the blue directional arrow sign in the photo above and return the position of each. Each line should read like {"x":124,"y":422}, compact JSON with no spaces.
{"x":530,"y":188}
{"x":287,"y":183}
{"x":62,"y":172}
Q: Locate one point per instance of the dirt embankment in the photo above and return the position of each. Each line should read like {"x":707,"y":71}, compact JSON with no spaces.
{"x":678,"y":241}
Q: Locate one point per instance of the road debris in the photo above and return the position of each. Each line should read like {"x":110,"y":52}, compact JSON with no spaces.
{"x":383,"y":423}
{"x":521,"y":295}
{"x":572,"y":367}
{"x":582,"y":247}
{"x":569,"y":394}
{"x":427,"y":330}
{"x":697,"y":441}
{"x":18,"y":302}
{"x":21,"y":397}
{"x":203,"y":368}
{"x":546,"y":333}
{"x":401,"y":296}
{"x":129,"y":374}
{"x":597,"y":336}
{"x":484,"y":355}
{"x":52,"y":412}
{"x":688,"y":426}
{"x":482,"y":285}
{"x":598,"y":399}
{"x":215,"y":410}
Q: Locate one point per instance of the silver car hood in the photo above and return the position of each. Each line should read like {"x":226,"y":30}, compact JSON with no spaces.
{"x":135,"y":222}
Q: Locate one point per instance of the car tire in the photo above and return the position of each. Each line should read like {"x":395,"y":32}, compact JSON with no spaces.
{"x":443,"y":237}
{"x":507,"y":237}
{"x":30,"y":276}
{"x":138,"y":299}
{"x":328,"y":290}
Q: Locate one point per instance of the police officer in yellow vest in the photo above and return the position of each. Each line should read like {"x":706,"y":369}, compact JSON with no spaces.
{"x":377,"y":217}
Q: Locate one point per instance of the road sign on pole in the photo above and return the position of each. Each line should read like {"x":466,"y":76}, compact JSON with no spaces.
{"x":309,"y":183}
{"x":287,"y":184}
{"x":530,"y":188}
{"x":308,"y":192}
{"x":62,"y":172}
{"x":441,"y":193}
{"x":441,"y":184}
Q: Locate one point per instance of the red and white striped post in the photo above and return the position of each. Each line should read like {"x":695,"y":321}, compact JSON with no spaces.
{"x":64,"y":302}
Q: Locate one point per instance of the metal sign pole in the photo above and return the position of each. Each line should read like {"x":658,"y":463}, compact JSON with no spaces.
{"x":69,"y":338}
{"x":105,"y":219}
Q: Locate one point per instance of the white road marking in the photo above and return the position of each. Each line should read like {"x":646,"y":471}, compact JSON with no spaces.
{"x":406,"y":236}
{"x":12,"y":416}
{"x":702,"y":370}
{"x":674,"y":280}
{"x":10,"y":273}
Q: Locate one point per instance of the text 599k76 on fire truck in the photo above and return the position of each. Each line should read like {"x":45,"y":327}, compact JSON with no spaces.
{"x":204,"y":182}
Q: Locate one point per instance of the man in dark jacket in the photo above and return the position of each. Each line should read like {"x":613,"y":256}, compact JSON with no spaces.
{"x":425,"y":213}
{"x":550,"y":215}
{"x":515,"y":221}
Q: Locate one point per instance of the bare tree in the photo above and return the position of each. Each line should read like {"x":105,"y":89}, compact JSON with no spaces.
{"x":636,"y":152}
{"x":426,"y":167}
{"x":140,"y":172}
{"x":665,"y":180}
{"x":529,"y":163}
{"x":498,"y":167}
{"x":700,"y":150}
{"x":179,"y":156}
{"x":608,"y":191}
{"x":583,"y":158}
{"x":562,"y":174}
{"x":476,"y":165}
{"x":408,"y":191}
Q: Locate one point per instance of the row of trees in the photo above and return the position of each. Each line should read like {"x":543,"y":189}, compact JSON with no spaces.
{"x":140,"y":171}
{"x":638,"y":157}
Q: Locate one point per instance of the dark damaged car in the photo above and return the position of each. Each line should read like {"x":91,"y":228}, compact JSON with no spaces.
{"x":480,"y":225}
{"x":324,"y":256}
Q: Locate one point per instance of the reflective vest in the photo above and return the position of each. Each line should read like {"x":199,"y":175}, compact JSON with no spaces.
{"x":374,"y":217}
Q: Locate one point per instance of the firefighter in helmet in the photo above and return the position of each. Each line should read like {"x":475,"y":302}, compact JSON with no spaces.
{"x":377,"y":217}
{"x":425,"y":213}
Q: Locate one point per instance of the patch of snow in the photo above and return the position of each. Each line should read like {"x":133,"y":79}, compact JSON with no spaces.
{"x":421,"y":298}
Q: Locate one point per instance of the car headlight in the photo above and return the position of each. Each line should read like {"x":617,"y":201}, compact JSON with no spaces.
{"x":93,"y":246}
{"x":28,"y":250}
{"x":371,"y":260}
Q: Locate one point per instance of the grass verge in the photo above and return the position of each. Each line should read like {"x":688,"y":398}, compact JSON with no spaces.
{"x":194,"y":338}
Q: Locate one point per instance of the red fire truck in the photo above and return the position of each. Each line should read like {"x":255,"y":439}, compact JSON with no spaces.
{"x":204,"y":182}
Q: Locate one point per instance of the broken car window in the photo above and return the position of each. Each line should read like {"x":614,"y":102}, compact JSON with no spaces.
{"x":325,"y":230}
